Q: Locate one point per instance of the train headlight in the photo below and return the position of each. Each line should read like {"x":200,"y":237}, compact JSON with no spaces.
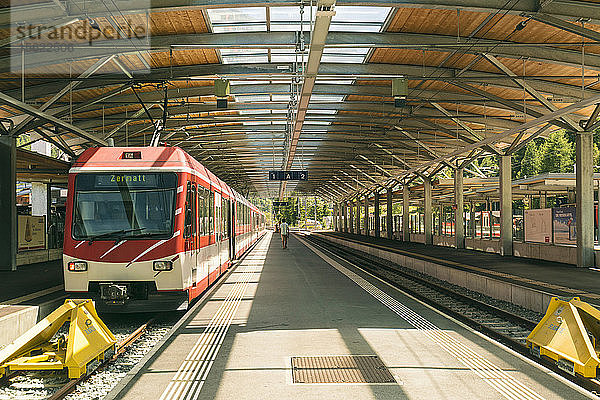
{"x":162,"y":265}
{"x":77,"y":266}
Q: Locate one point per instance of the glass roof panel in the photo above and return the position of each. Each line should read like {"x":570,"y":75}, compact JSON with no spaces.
{"x":288,"y":13}
{"x":244,"y":59}
{"x":311,"y":122}
{"x":335,"y":82}
{"x":360,"y":14}
{"x":251,"y":112}
{"x":281,"y":97}
{"x":327,"y":97}
{"x":346,"y":50}
{"x":287,"y":27}
{"x":233,"y":56}
{"x":241,"y":19}
{"x":282,"y":58}
{"x":249,"y":82}
{"x":239,"y":28}
{"x":237,"y":15}
{"x":311,"y":111}
{"x":342,"y":58}
{"x":354,"y":27}
{"x":249,"y":98}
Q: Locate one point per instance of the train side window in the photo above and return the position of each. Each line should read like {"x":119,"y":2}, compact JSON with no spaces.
{"x":201,"y":210}
{"x":225,"y":216}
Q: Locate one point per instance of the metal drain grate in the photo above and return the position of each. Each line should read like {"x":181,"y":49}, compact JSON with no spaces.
{"x":340,"y":369}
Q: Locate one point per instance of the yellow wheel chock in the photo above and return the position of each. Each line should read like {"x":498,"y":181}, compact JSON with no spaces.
{"x":569,"y":333}
{"x":89,"y":342}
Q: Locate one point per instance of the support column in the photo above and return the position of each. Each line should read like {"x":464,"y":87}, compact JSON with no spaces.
{"x":8,"y":203}
{"x":345,"y":208}
{"x":376,"y":221}
{"x":542,"y":200}
{"x":351,"y":219}
{"x":598,"y":215}
{"x":357,"y":217}
{"x":459,"y":203}
{"x":584,"y":174}
{"x":428,"y":212}
{"x":334,"y":217}
{"x":389,"y":222}
{"x":366,"y":230}
{"x":405,"y":213}
{"x":506,"y":243}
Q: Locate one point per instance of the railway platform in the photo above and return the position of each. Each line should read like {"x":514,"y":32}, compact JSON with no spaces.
{"x":31,"y":281}
{"x":555,"y":279}
{"x":303,"y":324}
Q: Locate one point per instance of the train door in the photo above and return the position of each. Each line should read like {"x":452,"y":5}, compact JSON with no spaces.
{"x":188,"y":233}
{"x":203,"y":259}
{"x":195,"y":236}
{"x":231,"y":230}
{"x":218,"y":230}
{"x":210,"y":249}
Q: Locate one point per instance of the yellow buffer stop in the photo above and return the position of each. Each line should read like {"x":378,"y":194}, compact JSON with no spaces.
{"x":88,"y":342}
{"x":568,"y":334}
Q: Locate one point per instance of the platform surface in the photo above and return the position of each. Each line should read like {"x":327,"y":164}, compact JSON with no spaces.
{"x":30,"y":279}
{"x":557,"y":278}
{"x":278,"y":304}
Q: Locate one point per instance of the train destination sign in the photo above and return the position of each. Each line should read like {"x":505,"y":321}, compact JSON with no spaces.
{"x":288,"y":175}
{"x":280,"y":204}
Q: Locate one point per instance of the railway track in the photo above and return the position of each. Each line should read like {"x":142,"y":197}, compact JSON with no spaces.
{"x":508,"y":328}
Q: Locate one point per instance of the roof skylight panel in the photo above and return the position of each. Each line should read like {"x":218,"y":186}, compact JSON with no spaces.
{"x":281,"y":97}
{"x":288,"y":18}
{"x":335,"y":82}
{"x":237,"y":56}
{"x":322,"y":111}
{"x":327,"y":98}
{"x":344,"y":55}
{"x":359,"y":18}
{"x":240,"y":19}
{"x":285,"y":55}
{"x":360,"y":14}
{"x":250,"y":98}
{"x":315,"y":122}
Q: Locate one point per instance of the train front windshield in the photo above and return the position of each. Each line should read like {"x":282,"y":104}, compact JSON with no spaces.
{"x":124,"y":205}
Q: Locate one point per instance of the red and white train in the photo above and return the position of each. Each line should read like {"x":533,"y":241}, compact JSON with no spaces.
{"x":150,"y":228}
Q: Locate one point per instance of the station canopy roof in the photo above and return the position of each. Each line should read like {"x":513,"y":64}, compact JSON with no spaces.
{"x":310,"y":84}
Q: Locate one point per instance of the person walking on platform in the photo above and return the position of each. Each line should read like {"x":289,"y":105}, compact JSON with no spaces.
{"x":285,"y":232}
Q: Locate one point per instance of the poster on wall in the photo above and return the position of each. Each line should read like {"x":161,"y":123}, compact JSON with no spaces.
{"x":565,"y":226}
{"x":32,"y":232}
{"x":538,"y":225}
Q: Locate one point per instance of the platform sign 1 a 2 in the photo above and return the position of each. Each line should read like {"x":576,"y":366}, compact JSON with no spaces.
{"x":288,"y":175}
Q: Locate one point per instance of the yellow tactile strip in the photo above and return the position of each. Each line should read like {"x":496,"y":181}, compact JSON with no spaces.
{"x":340,"y":369}
{"x":189,"y":379}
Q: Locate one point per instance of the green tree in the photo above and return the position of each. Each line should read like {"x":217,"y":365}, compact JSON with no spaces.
{"x":531,"y":162}
{"x":557,"y":153}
